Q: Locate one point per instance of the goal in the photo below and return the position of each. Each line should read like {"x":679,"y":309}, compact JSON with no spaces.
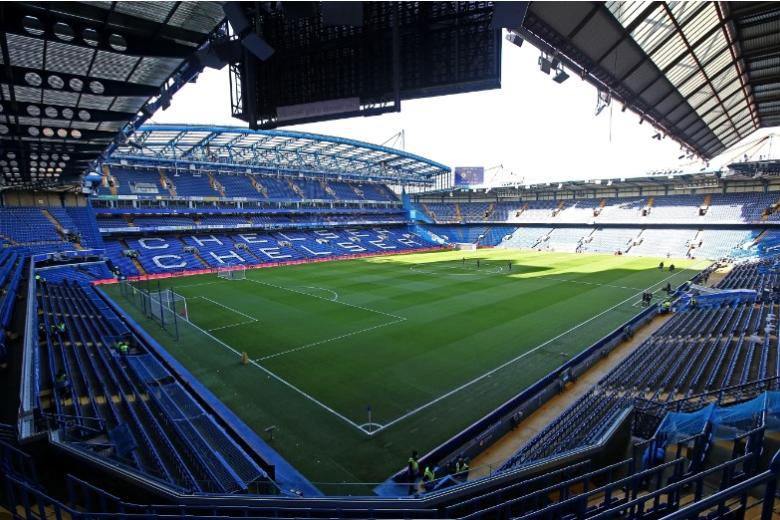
{"x":166,"y":302}
{"x":465,"y":246}
{"x":232,"y":273}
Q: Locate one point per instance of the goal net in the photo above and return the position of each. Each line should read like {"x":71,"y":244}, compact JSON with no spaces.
{"x":465,"y":246}
{"x":168,"y":301}
{"x":232,"y":273}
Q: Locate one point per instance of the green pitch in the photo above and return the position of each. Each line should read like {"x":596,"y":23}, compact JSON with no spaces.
{"x":430,"y":342}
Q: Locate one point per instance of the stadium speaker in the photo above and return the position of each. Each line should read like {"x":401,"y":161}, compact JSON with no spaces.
{"x":257,"y":46}
{"x":508,"y":15}
{"x":544,"y":64}
{"x":342,"y":13}
{"x":218,"y":53}
{"x":515,"y":38}
{"x":234,"y":13}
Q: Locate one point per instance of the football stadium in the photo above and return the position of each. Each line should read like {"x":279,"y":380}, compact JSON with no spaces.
{"x":260,"y":320}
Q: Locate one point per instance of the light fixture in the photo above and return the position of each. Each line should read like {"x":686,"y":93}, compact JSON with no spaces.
{"x":560,"y":75}
{"x":515,"y":38}
{"x":545,"y":65}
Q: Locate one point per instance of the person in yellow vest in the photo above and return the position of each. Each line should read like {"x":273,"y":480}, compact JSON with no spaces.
{"x":429,"y":476}
{"x":412,"y":471}
{"x":462,"y":468}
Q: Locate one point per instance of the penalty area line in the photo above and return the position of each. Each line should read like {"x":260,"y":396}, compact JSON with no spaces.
{"x":231,"y":309}
{"x":328,"y":340}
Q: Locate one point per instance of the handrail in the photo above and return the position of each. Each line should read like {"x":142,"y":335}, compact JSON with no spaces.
{"x":673,"y":486}
{"x":28,"y":389}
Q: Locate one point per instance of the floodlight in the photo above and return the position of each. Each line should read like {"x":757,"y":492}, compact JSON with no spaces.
{"x":560,"y":75}
{"x":544,"y":64}
{"x":515,"y":38}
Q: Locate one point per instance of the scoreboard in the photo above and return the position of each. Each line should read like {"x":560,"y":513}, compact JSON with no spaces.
{"x":469,"y":175}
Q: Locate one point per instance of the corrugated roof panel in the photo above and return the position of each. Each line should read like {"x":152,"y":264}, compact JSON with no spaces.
{"x":113,"y":66}
{"x":693,"y":84}
{"x":196,"y":16}
{"x":96,"y":102}
{"x":669,"y":51}
{"x":715,"y":45}
{"x":66,"y":58}
{"x":25,"y":51}
{"x":696,"y":26}
{"x":154,"y":71}
{"x":682,"y":70}
{"x":626,"y":12}
{"x":653,"y":30}
{"x":60,"y":97}
{"x":156,"y":11}
{"x":128,"y":103}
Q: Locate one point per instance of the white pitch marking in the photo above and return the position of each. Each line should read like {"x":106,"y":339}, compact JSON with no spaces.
{"x":521,"y":356}
{"x":197,"y":284}
{"x":281,"y":380}
{"x":327,"y":300}
{"x":233,"y":325}
{"x":334,"y":293}
{"x":316,"y":343}
{"x":228,"y":308}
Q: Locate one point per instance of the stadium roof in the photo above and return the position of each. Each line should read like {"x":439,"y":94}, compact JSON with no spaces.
{"x":75,"y":75}
{"x":277,"y":150}
{"x":705,"y":73}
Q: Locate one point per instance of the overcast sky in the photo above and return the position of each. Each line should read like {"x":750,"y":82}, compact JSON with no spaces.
{"x":537,"y":129}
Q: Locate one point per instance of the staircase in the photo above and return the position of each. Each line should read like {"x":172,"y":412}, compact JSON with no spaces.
{"x":298,"y":191}
{"x":135,"y":261}
{"x":259,"y":187}
{"x":458,"y":215}
{"x":327,"y":189}
{"x":167,"y":183}
{"x":771,"y":209}
{"x":216,"y":185}
{"x":597,"y":211}
{"x":694,"y":242}
{"x":522,"y":210}
{"x":636,"y":240}
{"x":428,"y":211}
{"x":759,"y":238}
{"x":196,"y":254}
{"x":542,"y":238}
{"x":58,"y":226}
{"x":490,"y":210}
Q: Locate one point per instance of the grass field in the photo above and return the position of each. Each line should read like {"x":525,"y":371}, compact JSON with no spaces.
{"x":429,"y":343}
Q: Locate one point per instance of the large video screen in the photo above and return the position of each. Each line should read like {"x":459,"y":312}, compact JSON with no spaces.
{"x":469,"y":175}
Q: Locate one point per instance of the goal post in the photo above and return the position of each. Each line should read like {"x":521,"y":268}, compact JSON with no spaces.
{"x":169,"y":301}
{"x":237,"y":272}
